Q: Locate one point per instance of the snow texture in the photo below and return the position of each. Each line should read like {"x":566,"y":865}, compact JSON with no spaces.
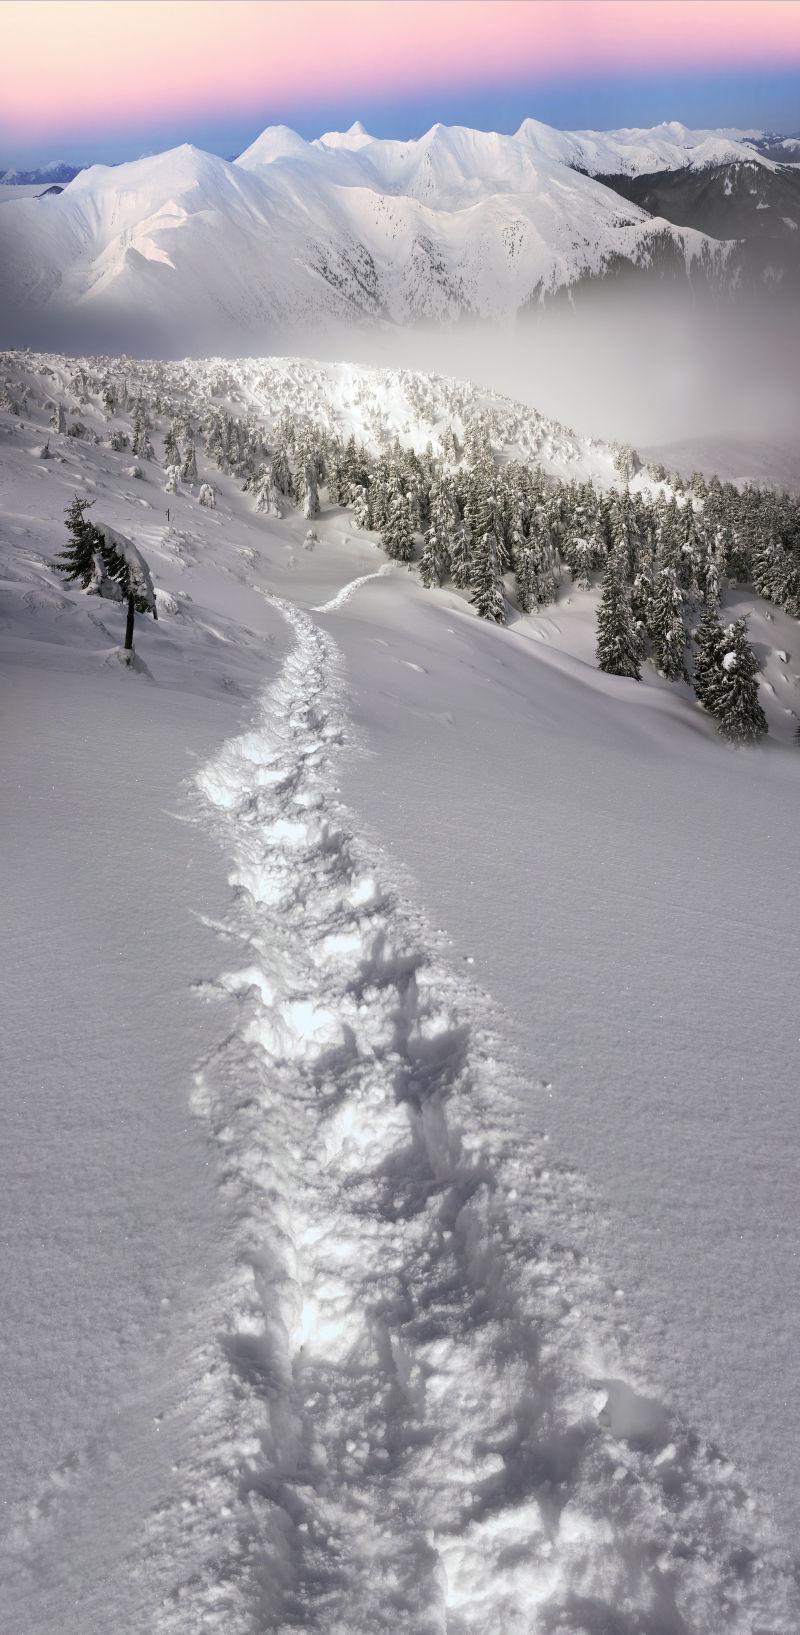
{"x":433,"y":1420}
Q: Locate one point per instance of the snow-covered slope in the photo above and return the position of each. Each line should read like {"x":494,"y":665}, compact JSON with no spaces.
{"x":374,"y":405}
{"x":310,"y":1320}
{"x":343,"y":229}
{"x":640,"y":151}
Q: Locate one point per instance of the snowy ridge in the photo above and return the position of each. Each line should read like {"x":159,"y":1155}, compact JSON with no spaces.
{"x":637,"y":151}
{"x":375,"y":405}
{"x":421,"y":1414}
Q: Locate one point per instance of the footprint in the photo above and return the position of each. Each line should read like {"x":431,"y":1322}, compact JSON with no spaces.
{"x":641,"y":1421}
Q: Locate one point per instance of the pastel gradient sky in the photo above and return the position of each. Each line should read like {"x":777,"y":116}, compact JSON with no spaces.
{"x":95,"y":79}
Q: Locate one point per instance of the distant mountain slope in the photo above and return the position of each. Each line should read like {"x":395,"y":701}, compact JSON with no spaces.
{"x":785,"y":150}
{"x":752,"y":200}
{"x":57,"y":171}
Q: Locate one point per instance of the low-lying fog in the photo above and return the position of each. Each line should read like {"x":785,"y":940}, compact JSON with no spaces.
{"x":673,"y":379}
{"x":684,"y":381}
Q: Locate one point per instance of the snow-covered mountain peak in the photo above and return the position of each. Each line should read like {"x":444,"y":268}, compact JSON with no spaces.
{"x":276,"y":142}
{"x":355,"y":137}
{"x":173,"y":170}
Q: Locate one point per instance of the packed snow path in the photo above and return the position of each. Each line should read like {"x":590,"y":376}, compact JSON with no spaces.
{"x":416,"y":1407}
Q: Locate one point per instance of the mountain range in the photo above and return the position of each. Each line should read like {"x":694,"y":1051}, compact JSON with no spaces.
{"x":350,"y":228}
{"x":57,"y":172}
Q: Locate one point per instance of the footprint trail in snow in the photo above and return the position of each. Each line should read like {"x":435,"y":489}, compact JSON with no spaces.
{"x":415,"y":1412}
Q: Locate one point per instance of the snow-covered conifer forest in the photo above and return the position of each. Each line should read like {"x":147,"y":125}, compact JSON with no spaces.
{"x":401,"y":951}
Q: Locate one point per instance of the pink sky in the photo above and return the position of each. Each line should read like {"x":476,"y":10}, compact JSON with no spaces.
{"x":82,"y":65}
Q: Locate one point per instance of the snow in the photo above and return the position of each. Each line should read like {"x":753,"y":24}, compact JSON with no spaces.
{"x":400,"y":1172}
{"x":606,"y":923}
{"x":740,"y":459}
{"x":11,"y":191}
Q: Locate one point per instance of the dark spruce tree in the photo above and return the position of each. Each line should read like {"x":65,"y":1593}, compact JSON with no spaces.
{"x":81,"y":559}
{"x":106,"y":564}
{"x":619,"y":650}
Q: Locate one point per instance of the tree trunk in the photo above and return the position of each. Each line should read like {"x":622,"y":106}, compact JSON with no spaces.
{"x":129,"y":627}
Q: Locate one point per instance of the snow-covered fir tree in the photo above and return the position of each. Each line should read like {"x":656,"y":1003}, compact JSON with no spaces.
{"x":434,"y":564}
{"x":309,"y":493}
{"x":642,"y":596}
{"x":666,"y":624}
{"x":142,"y":446}
{"x":736,"y":706}
{"x":488,"y":597}
{"x":105,"y":563}
{"x":526,"y":578}
{"x":461,"y":555}
{"x":359,"y":500}
{"x":397,"y":533}
{"x":189,"y":464}
{"x":265,"y":494}
{"x":281,"y":472}
{"x":619,"y":650}
{"x":172,"y":453}
{"x":582,"y":562}
{"x":708,"y":644}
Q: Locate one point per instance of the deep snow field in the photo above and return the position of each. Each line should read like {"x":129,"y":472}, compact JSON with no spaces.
{"x":399,"y":1119}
